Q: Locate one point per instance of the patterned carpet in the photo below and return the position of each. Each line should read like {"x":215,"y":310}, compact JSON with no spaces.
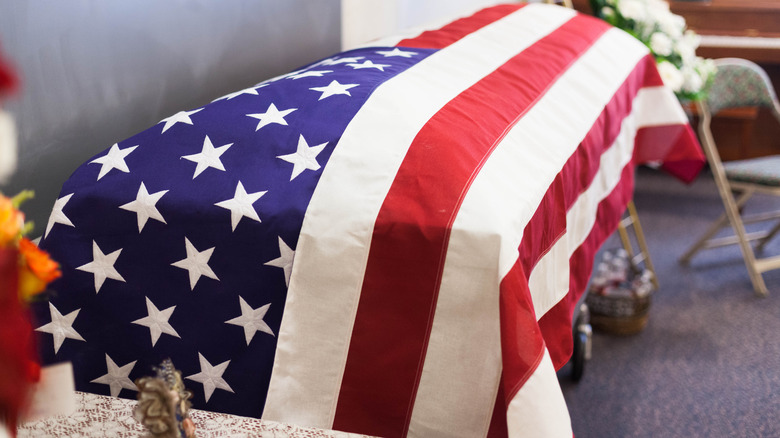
{"x":708,"y":362}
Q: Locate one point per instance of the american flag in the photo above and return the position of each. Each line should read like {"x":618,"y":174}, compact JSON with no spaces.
{"x":389,"y":241}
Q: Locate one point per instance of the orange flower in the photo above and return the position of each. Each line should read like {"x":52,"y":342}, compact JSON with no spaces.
{"x":36,"y":270}
{"x":11,"y":222}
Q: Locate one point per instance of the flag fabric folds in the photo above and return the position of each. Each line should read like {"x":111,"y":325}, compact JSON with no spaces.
{"x":389,"y":241}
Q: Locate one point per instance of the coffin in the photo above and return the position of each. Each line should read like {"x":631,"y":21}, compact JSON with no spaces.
{"x":389,"y":241}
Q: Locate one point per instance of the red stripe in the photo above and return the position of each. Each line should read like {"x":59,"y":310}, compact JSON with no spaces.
{"x":522,"y":345}
{"x":498,"y":427}
{"x":522,"y":348}
{"x":580,"y":169}
{"x":548,"y":224}
{"x":678,"y":148}
{"x":675,"y":145}
{"x":580,"y":173}
{"x":441,"y":38}
{"x":672,"y":143}
{"x":652,"y":77}
{"x":410,"y":237}
{"x":556,"y":324}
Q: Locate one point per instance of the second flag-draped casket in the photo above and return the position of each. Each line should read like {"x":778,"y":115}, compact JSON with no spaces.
{"x":390,"y":241}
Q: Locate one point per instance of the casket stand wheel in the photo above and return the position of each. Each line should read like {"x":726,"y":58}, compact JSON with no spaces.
{"x":582,"y":343}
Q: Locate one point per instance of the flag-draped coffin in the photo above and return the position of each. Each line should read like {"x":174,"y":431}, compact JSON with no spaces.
{"x":389,"y":241}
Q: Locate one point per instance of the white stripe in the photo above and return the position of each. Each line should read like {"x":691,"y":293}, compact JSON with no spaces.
{"x":462,"y":367}
{"x":487,"y":233}
{"x":335,"y":238}
{"x":549,"y":281}
{"x":539,"y":409}
{"x":655,"y":98}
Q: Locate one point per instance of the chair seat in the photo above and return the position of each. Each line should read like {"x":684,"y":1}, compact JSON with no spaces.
{"x":764,"y":170}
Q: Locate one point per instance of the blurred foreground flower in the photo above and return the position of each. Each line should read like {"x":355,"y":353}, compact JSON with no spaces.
{"x":25,"y":272}
{"x":11,"y":223}
{"x":36,"y":270}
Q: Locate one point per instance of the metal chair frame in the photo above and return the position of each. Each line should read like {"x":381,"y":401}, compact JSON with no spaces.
{"x":734,"y":205}
{"x":631,"y":219}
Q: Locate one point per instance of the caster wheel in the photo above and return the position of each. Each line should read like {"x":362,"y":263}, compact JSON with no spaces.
{"x":578,"y":357}
{"x":582,"y":343}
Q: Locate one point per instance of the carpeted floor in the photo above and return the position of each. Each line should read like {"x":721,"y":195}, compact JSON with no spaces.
{"x":708,"y":362}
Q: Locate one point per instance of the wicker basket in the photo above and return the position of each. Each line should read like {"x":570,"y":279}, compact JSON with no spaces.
{"x":618,"y":314}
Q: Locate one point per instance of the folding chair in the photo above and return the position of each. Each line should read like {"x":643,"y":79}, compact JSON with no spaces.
{"x":740,"y":83}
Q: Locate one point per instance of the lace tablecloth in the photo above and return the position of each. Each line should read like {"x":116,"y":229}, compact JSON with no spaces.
{"x":103,"y":416}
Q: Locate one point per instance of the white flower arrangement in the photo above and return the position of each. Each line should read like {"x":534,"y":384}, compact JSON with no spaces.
{"x":665,"y":34}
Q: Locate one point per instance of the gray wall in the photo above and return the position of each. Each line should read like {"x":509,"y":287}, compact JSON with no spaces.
{"x":95,"y":72}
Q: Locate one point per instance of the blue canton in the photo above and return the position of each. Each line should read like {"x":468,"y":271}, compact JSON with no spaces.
{"x":178,"y":242}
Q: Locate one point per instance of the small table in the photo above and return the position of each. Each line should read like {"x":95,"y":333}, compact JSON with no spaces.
{"x":103,"y":416}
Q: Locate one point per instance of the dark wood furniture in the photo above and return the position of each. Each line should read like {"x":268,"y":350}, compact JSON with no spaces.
{"x":747,"y":29}
{"x":752,"y":22}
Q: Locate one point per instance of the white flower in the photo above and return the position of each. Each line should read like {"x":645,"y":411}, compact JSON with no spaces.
{"x":645,"y":29}
{"x":671,"y":24}
{"x":692,"y":39}
{"x":686,"y":51}
{"x":671,"y":76}
{"x":654,"y":24}
{"x":697,"y":74}
{"x":661,"y":44}
{"x":692,"y":81}
{"x":705,"y":67}
{"x":686,"y":46}
{"x":658,"y":6}
{"x":7,"y":146}
{"x":658,"y":11}
{"x":632,"y":9}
